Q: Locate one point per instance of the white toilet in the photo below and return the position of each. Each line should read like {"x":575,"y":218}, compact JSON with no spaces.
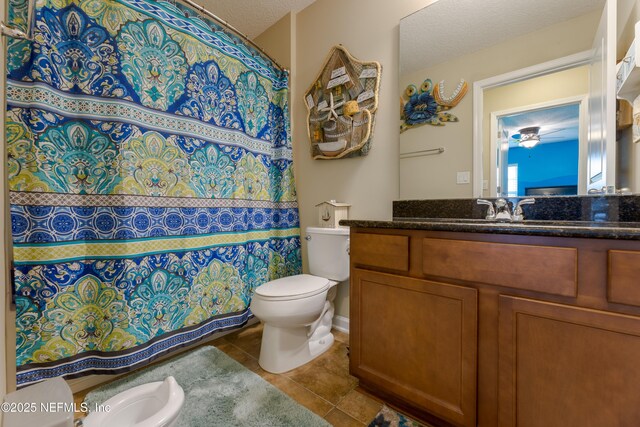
{"x":297,"y":311}
{"x":155,"y":404}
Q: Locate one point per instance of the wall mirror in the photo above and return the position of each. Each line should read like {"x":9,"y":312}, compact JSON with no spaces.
{"x":535,"y":121}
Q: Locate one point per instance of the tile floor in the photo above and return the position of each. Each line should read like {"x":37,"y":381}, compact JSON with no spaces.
{"x":324,"y":385}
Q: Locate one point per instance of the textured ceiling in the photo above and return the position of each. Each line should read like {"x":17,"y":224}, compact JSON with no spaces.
{"x":252,"y":17}
{"x":450,"y":28}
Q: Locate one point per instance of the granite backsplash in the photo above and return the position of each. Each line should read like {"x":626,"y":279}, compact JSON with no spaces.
{"x":554,"y":208}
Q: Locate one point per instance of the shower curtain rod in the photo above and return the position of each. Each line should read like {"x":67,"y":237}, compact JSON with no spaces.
{"x":211,"y":15}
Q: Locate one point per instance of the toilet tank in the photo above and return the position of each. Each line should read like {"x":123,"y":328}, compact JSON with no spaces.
{"x":328,"y":252}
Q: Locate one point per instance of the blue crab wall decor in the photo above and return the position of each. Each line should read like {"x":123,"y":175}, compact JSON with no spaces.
{"x":429,"y":105}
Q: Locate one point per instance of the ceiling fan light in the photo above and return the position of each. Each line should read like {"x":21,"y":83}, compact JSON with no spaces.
{"x":530,"y":142}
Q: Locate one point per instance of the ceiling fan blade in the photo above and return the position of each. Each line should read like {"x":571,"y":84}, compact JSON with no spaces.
{"x":552,"y":131}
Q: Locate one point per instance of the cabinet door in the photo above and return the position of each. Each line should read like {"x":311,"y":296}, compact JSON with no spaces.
{"x":567,"y":366}
{"x":416,"y":340}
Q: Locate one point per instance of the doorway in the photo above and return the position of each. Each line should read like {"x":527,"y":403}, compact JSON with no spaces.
{"x":538,"y":149}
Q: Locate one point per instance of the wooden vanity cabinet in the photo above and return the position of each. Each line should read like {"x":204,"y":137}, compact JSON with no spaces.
{"x":497,"y":330}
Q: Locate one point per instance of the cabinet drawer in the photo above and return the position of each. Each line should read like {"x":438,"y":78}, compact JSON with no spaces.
{"x":380,"y":250}
{"x":546,"y":269}
{"x":624,"y":277}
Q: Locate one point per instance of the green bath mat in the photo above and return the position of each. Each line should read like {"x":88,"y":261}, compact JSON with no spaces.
{"x":218,"y":392}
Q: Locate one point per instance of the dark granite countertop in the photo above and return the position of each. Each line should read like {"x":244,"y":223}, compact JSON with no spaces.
{"x":584,"y":229}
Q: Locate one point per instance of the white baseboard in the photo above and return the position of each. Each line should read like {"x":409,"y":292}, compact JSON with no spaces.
{"x":341,"y":323}
{"x":83,"y":383}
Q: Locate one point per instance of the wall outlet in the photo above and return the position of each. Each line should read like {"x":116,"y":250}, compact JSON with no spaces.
{"x":463,"y":177}
{"x":485,"y":184}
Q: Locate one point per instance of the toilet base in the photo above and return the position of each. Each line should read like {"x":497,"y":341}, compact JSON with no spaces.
{"x":284,"y":349}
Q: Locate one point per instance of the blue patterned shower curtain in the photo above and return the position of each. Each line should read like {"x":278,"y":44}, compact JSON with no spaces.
{"x":151,"y":178}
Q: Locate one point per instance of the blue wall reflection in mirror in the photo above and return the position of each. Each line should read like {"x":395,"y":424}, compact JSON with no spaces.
{"x":546,"y":168}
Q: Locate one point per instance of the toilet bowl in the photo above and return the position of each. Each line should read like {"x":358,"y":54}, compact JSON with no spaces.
{"x":155,"y":404}
{"x":297,"y":311}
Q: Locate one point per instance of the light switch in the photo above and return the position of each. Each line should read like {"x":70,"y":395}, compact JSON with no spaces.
{"x":463,"y":177}
{"x":485,"y":184}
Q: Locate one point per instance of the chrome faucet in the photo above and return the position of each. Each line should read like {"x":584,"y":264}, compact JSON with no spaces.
{"x":518,"y":214}
{"x":503,"y":211}
{"x":491,"y":212}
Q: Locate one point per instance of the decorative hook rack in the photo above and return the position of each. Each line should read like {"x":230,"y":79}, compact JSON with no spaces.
{"x":341,"y":106}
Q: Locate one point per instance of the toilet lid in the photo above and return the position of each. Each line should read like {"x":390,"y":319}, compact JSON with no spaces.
{"x":299,"y":286}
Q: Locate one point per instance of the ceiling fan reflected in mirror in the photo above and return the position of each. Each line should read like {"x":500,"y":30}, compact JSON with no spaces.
{"x":529,"y":137}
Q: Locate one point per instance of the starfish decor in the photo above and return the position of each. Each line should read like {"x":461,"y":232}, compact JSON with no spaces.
{"x":331,"y":108}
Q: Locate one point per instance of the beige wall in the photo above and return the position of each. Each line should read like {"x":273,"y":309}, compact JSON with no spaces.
{"x":276,"y":40}
{"x":435,"y":176}
{"x":370,"y":183}
{"x":628,"y":15}
{"x":369,"y":30}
